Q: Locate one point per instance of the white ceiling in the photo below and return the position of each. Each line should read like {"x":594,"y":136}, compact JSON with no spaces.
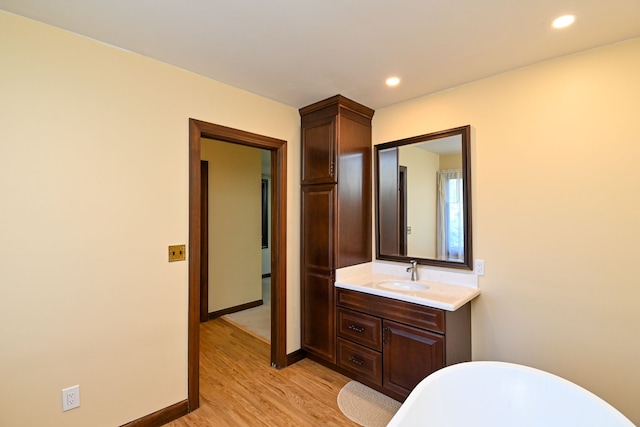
{"x":301,"y":51}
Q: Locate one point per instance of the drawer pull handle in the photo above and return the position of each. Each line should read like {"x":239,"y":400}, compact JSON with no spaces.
{"x":355,"y":328}
{"x":356,"y":361}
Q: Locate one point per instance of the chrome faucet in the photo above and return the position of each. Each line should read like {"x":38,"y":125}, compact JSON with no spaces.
{"x":414,"y":270}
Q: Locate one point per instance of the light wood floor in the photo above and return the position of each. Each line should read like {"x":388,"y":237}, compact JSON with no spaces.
{"x":238,"y":387}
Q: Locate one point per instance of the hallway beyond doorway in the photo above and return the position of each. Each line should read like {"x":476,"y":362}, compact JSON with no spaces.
{"x":257,"y":320}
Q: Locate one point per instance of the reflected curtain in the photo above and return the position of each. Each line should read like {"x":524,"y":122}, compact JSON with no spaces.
{"x":449,"y":221}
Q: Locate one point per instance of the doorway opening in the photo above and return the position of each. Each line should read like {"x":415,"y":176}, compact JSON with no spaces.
{"x":197,"y":131}
{"x":402,"y":210}
{"x":236,"y":266}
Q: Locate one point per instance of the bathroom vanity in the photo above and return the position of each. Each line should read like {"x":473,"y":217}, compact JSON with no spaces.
{"x":391,"y":339}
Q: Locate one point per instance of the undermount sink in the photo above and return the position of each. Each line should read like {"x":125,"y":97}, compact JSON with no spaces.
{"x":403,"y":286}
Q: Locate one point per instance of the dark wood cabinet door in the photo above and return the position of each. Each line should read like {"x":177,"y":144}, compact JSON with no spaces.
{"x":410,"y":354}
{"x":319,"y":149}
{"x":317,"y":292}
{"x":354,"y":191}
{"x":318,"y":315}
{"x":318,"y":231}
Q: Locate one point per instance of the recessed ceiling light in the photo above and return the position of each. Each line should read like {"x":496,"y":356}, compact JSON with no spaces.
{"x":393,"y":81}
{"x":563,"y":21}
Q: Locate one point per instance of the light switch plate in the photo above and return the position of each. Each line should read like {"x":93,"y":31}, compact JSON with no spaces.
{"x":177,"y":253}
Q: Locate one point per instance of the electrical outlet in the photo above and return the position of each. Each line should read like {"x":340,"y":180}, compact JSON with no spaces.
{"x":70,"y":397}
{"x":479,"y":267}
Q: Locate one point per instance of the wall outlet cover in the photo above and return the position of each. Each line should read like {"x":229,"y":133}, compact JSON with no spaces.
{"x":70,"y":397}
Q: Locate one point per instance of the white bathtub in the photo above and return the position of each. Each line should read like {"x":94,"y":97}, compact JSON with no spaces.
{"x":498,"y":394}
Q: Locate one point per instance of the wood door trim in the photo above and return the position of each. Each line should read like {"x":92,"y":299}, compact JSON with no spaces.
{"x":198,"y":130}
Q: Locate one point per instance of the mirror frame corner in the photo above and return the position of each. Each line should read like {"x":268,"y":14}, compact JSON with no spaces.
{"x":465,"y":133}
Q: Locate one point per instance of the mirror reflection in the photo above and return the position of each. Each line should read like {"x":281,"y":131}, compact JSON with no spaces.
{"x":423,"y":200}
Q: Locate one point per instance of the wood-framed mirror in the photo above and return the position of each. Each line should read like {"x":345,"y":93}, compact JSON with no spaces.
{"x":423,"y":199}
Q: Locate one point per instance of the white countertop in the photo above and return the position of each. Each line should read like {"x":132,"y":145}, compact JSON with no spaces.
{"x":439,"y":295}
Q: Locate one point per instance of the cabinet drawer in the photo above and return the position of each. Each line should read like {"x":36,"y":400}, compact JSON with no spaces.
{"x":405,"y":312}
{"x":360,"y":328}
{"x":362,"y":361}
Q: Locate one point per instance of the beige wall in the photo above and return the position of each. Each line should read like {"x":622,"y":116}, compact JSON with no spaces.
{"x":235,"y":259}
{"x":450,"y":161}
{"x":94,"y":187}
{"x":555,"y":154}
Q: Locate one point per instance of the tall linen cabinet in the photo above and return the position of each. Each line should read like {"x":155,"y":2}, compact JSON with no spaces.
{"x":336,"y":211}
